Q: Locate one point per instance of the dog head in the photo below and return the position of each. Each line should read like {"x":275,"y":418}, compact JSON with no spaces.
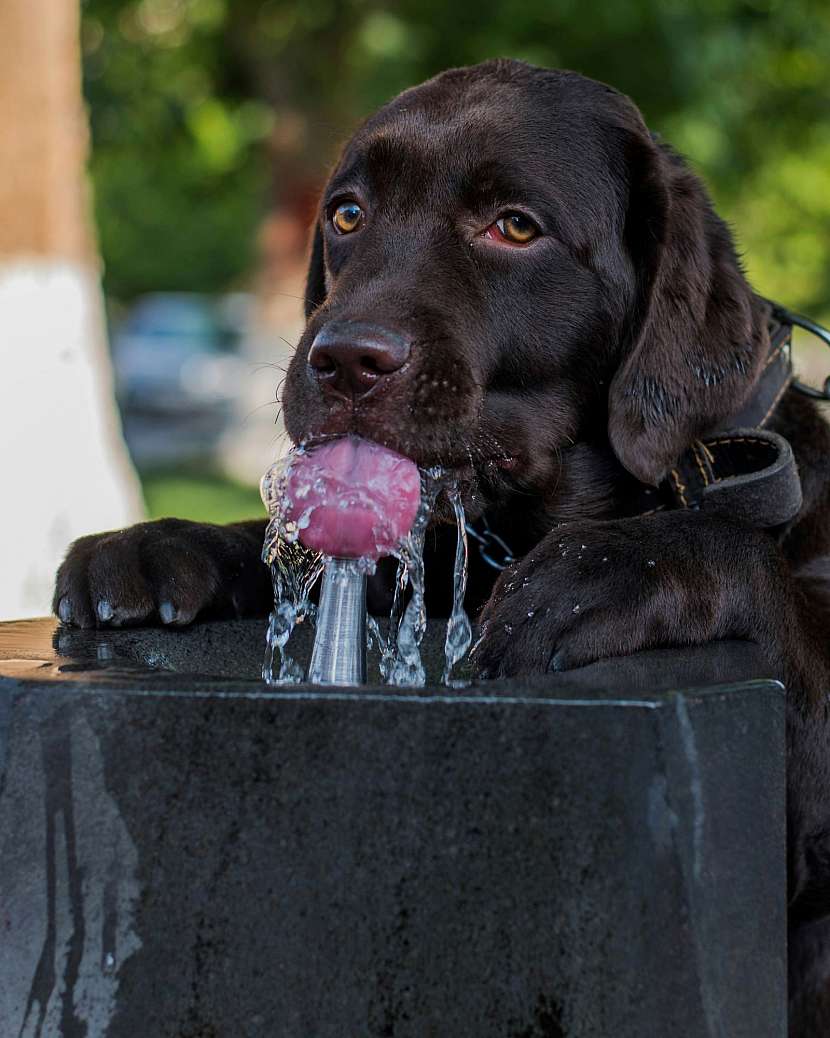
{"x":506,"y":264}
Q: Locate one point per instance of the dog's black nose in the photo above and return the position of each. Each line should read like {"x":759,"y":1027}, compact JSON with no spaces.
{"x":352,"y":357}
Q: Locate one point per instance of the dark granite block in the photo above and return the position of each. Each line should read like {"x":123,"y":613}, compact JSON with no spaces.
{"x":195,"y":857}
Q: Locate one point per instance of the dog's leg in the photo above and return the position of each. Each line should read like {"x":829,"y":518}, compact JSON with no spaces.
{"x":808,"y":775}
{"x":591,"y":590}
{"x":809,"y":980}
{"x":169,"y":571}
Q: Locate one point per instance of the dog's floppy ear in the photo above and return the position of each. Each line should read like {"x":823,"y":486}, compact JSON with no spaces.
{"x":697,"y":341}
{"x":315,"y":285}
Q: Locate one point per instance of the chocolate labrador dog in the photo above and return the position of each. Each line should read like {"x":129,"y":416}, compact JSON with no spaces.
{"x":512,"y":278}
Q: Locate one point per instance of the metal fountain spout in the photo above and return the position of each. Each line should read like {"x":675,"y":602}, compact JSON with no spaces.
{"x":339,"y":654}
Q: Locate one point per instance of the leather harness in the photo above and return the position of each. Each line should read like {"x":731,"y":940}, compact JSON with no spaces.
{"x":743,"y":469}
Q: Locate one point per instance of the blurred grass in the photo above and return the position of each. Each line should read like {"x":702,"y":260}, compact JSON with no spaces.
{"x":203,"y":496}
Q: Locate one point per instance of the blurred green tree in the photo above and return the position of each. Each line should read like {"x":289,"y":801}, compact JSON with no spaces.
{"x":205,"y":112}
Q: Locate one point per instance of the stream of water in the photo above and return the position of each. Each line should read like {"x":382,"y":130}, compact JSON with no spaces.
{"x":459,"y":633}
{"x":404,"y":661}
{"x":295,"y":570}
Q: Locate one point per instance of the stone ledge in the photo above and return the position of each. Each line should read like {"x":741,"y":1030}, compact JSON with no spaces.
{"x":572,"y":856}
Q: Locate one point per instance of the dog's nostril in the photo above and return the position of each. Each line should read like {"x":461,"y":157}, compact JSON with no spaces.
{"x":353,"y":358}
{"x":322,"y":363}
{"x":371,"y":365}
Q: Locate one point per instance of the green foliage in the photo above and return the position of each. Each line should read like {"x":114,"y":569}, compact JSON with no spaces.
{"x":178,"y":172}
{"x":204,"y":497}
{"x":182,"y":93}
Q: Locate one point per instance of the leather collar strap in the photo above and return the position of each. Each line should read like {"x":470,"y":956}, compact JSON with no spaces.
{"x":774,"y":380}
{"x":749,"y":474}
{"x":742,"y":470}
{"x":745,"y":471}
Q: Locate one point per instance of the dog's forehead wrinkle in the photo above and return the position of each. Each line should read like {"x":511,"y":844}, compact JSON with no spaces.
{"x":348,"y":175}
{"x":445,"y":158}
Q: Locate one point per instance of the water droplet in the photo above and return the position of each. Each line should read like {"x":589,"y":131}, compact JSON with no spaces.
{"x":373,"y":635}
{"x":651,"y":562}
{"x":576,"y":608}
{"x":508,"y":628}
{"x":531,"y":613}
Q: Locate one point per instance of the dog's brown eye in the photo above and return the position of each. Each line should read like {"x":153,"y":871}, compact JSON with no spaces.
{"x":516,"y":228}
{"x":347,"y":217}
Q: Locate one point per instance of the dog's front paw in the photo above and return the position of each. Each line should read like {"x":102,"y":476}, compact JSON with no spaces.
{"x":168,"y":571}
{"x":595,"y":590}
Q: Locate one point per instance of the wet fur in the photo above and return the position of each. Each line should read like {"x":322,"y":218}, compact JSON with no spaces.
{"x":557,"y":382}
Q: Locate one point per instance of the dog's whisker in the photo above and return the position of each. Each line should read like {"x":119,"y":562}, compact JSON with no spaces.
{"x":286,"y":295}
{"x":262,"y":365}
{"x":259,"y":407}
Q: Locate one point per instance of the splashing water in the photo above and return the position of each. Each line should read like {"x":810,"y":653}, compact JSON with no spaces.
{"x":406,"y":668}
{"x":294,"y":572}
{"x":295,"y":569}
{"x":459,"y":633}
{"x":389,"y":648}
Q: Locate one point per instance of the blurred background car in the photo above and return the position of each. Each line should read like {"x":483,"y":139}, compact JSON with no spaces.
{"x":178,"y":374}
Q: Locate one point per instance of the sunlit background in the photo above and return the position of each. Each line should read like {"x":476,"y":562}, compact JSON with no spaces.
{"x":211,"y":126}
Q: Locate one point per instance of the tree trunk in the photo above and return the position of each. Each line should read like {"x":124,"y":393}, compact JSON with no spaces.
{"x":63,"y":464}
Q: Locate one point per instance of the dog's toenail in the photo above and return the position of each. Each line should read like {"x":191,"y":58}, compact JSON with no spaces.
{"x":105,"y":610}
{"x":167,"y":612}
{"x":65,"y":610}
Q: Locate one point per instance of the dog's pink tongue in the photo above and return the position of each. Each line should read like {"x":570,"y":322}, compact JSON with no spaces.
{"x":352,"y":498}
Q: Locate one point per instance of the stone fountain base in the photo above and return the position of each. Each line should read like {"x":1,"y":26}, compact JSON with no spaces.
{"x":185,"y":852}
